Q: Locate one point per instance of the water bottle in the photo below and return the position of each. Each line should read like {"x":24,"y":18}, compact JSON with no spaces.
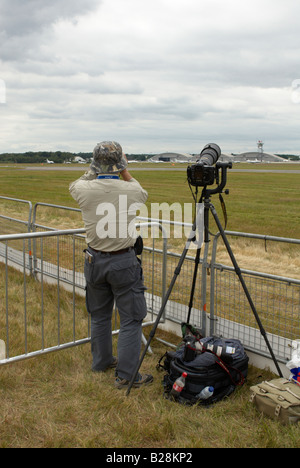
{"x":206,"y":393}
{"x":294,"y":363}
{"x":178,"y":385}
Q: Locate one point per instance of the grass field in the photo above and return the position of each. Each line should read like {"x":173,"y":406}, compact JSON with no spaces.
{"x":56,"y":401}
{"x":260,"y":203}
{"x":263,"y":203}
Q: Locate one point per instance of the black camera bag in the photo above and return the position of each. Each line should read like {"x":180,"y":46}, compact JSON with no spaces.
{"x":206,"y":370}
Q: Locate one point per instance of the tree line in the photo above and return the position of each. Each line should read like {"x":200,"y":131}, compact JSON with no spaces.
{"x":291,"y":157}
{"x":58,"y":157}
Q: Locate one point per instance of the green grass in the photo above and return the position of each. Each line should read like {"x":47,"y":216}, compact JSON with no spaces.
{"x":262,"y":203}
{"x":37,"y":186}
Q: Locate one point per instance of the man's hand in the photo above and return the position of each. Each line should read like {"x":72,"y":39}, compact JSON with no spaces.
{"x":125,"y":173}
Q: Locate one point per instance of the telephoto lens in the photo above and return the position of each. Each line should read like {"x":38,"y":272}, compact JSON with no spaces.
{"x":210,"y":154}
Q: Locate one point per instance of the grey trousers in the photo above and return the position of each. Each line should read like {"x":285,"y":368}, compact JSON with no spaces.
{"x":115,"y":279}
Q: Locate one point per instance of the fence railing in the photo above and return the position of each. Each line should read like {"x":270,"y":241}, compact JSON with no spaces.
{"x":49,"y":314}
{"x":11,"y":220}
{"x":56,"y":257}
{"x":277,"y":299}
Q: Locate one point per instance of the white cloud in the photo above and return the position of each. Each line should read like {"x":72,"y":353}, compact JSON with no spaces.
{"x":160,"y":75}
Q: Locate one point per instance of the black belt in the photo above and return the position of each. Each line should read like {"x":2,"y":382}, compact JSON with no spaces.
{"x":115,"y":252}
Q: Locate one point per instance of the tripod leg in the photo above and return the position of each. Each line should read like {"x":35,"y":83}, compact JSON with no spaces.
{"x":238,"y":272}
{"x":197,"y":261}
{"x":200,"y":218}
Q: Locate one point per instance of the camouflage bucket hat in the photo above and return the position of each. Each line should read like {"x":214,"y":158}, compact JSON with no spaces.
{"x":108,"y":158}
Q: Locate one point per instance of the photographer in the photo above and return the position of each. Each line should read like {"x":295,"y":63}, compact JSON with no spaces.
{"x":112,"y":270}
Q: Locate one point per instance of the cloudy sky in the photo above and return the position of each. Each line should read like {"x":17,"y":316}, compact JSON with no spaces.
{"x":159,"y":75}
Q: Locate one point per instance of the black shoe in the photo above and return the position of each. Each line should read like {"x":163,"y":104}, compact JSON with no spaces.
{"x":140,"y":380}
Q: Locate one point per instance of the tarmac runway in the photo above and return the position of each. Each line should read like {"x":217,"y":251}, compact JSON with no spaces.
{"x":179,"y":169}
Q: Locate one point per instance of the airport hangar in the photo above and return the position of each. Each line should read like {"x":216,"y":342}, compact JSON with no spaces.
{"x":251,"y":157}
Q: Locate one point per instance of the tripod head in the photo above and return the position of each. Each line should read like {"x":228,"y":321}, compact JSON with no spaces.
{"x":207,"y":193}
{"x":220,"y":167}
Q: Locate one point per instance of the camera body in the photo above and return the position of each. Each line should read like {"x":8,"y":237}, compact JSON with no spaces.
{"x":203,"y":173}
{"x":200,"y":175}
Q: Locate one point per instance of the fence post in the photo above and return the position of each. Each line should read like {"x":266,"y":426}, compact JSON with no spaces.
{"x":28,"y":225}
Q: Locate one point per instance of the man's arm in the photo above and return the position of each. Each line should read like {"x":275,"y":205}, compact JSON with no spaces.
{"x":88,"y":175}
{"x":141,"y":193}
{"x":125,"y":174}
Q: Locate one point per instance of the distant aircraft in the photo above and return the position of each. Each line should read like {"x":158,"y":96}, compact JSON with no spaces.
{"x":80,"y":160}
{"x":253,"y":160}
{"x":50,"y":162}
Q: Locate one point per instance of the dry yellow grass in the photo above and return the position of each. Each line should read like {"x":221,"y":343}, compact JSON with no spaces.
{"x":274,"y":258}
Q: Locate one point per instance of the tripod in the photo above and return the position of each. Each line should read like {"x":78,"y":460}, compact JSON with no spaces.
{"x":208,"y":207}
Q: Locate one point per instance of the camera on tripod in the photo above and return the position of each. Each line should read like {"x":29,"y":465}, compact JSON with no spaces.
{"x":204,"y":172}
{"x":201,"y":174}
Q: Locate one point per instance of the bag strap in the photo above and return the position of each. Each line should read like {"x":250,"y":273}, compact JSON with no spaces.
{"x":159,"y":366}
{"x":225,"y":368}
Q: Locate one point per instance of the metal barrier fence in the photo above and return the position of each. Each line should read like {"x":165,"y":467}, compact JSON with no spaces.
{"x":34,"y":316}
{"x":38,"y":317}
{"x":57,"y":257}
{"x":12,"y":224}
{"x":277,"y":300}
